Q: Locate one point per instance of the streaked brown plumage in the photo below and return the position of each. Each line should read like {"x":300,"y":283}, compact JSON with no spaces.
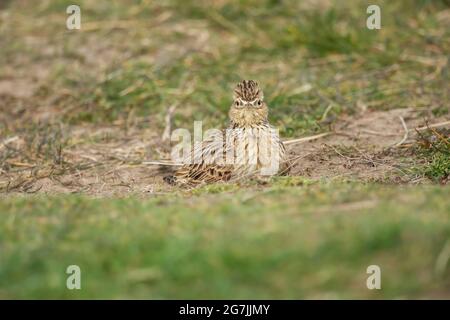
{"x":246,"y":139}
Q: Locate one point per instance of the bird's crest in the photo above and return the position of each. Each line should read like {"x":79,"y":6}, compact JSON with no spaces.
{"x":247,"y":90}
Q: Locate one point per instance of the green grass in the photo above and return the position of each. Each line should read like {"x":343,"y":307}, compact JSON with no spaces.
{"x":439,"y":168}
{"x":293,"y":240}
{"x":433,"y":149}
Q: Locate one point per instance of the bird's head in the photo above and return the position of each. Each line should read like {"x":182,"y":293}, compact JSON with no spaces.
{"x":249,"y":108}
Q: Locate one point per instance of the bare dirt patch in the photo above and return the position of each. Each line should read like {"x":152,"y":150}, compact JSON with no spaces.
{"x":368,"y":147}
{"x":108,"y":160}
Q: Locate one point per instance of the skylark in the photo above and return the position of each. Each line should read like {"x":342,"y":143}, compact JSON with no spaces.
{"x":249,"y":148}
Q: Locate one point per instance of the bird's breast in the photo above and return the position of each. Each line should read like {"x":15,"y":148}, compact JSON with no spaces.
{"x":257,"y":148}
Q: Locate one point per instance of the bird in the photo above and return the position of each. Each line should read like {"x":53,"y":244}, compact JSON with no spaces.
{"x":249,"y":148}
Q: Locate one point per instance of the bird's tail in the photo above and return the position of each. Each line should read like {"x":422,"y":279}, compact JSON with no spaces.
{"x":170,"y":179}
{"x":168,"y":173}
{"x":165,"y":168}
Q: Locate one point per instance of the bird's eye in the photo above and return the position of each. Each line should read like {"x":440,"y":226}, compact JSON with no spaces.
{"x":259,"y":102}
{"x":236,"y":103}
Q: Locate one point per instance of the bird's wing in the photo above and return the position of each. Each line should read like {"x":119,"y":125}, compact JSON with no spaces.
{"x":206,"y":162}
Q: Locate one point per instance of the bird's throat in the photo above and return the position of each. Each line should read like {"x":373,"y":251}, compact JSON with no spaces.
{"x":246,"y":117}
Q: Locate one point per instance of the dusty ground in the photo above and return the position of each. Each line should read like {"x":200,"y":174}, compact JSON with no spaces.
{"x":369,"y":147}
{"x":44,"y":150}
{"x":365,"y":147}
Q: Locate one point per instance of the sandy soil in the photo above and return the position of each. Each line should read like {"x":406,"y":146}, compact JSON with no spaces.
{"x":364,"y":147}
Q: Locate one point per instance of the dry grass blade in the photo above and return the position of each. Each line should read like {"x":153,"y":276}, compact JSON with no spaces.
{"x":405,"y":136}
{"x":440,"y":136}
{"x":435,"y":125}
{"x":305,"y":139}
{"x":161,"y":163}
